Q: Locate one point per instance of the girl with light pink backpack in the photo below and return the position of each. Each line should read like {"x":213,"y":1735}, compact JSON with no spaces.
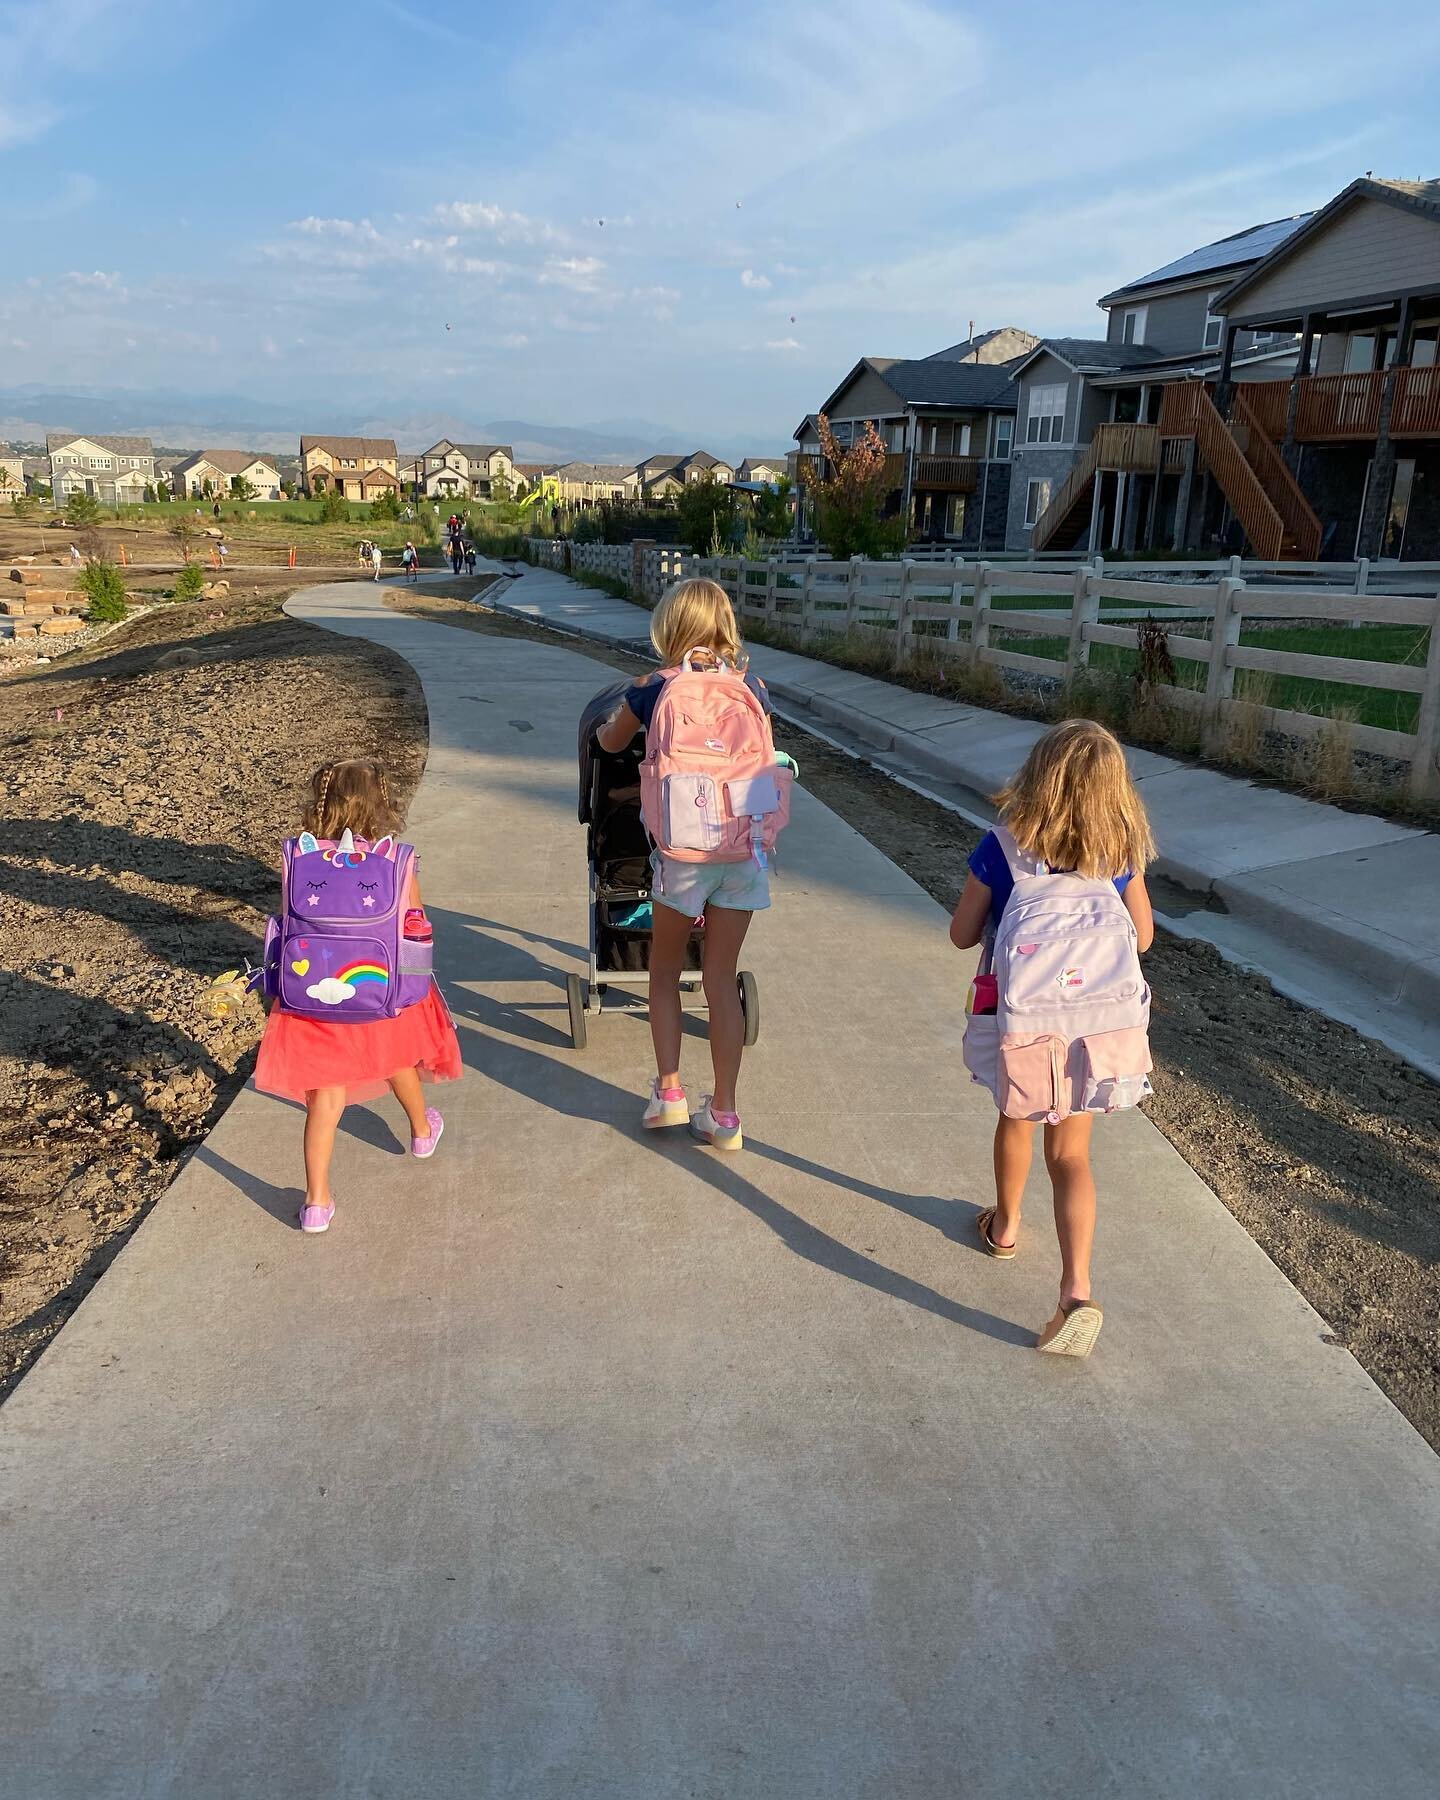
{"x":713,"y":796}
{"x":1059,"y":1010}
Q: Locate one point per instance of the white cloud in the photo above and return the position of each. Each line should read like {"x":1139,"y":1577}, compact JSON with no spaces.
{"x":581,"y":273}
{"x":788,"y":343}
{"x":749,"y":279}
{"x":95,"y":278}
{"x":494,"y":221}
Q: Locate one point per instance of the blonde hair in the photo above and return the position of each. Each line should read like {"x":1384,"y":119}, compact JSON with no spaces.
{"x":1073,"y":805}
{"x":696,"y":615}
{"x":352,"y":795}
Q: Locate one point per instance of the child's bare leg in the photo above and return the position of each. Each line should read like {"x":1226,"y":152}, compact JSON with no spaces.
{"x":725,"y":929}
{"x":669,"y":934}
{"x":323,"y":1107}
{"x":406,"y":1088}
{"x":1067,"y":1157}
{"x":1014,"y":1142}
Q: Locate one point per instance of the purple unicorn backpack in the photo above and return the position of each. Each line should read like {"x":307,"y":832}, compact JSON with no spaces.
{"x":337,"y":949}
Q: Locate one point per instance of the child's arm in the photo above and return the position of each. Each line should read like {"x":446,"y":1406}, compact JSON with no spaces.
{"x":618,"y":729}
{"x":1137,"y":904}
{"x":972,"y":911}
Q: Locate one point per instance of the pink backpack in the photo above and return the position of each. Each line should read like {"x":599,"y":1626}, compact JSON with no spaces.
{"x":710,"y":788}
{"x":1070,"y":1029}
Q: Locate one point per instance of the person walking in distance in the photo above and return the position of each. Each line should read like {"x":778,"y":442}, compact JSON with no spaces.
{"x":410,"y":557}
{"x":1059,"y":1008}
{"x":375,"y":556}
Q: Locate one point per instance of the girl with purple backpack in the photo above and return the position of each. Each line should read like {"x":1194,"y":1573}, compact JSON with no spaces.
{"x":1071,"y":826}
{"x":356,"y":1011}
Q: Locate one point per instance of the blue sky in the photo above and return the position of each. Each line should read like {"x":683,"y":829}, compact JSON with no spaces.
{"x":295,"y":203}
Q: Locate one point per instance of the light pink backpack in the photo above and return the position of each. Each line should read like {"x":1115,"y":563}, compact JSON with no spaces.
{"x":710,"y":789}
{"x":1070,"y":1032}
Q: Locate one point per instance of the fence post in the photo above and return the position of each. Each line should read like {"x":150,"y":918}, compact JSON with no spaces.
{"x":1220,"y":677}
{"x":852,"y":590}
{"x":1084,"y":610}
{"x":807,"y":590}
{"x":903,"y":639}
{"x":1424,"y":781}
{"x":1235,"y":568}
{"x":980,"y":623}
{"x":1362,"y":575}
{"x":772,"y":581}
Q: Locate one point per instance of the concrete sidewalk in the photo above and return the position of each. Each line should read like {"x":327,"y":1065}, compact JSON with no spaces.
{"x":1341,"y":910}
{"x":574,"y":1463}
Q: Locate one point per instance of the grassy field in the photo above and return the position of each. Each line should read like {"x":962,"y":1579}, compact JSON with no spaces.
{"x":1294,"y":693}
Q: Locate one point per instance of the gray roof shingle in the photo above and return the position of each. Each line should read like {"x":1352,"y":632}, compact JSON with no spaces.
{"x":122,"y":446}
{"x":989,"y":387}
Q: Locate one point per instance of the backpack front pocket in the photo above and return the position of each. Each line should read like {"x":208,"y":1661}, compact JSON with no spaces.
{"x":1031,"y":1078}
{"x":1116,"y":1070}
{"x":694,"y":816}
{"x":343,"y":979}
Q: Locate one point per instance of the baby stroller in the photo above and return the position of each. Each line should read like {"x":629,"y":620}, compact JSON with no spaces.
{"x":617,"y":851}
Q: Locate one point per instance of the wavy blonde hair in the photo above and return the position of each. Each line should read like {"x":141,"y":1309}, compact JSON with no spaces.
{"x":696,"y":615}
{"x":352,"y":794}
{"x":1073,"y":805}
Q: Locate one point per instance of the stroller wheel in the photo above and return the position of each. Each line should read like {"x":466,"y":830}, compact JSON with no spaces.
{"x":575,"y":997}
{"x":749,"y":1005}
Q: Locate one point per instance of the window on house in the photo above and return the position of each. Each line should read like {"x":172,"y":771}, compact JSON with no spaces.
{"x":1045,"y":415}
{"x":955,"y":516}
{"x":1214,"y":323}
{"x":1037,"y":498}
{"x":1132,"y":325}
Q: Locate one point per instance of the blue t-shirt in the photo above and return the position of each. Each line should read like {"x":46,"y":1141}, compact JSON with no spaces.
{"x":642,"y":697}
{"x":988,"y":864}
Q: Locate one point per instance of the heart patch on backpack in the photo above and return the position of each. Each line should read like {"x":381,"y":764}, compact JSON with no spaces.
{"x":302,"y":967}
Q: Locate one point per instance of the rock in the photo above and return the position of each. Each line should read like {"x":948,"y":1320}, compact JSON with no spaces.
{"x":177,"y":659}
{"x":28,"y":577}
{"x":59,"y":627}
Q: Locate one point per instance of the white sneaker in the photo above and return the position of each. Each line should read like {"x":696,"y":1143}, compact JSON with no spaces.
{"x":660,"y":1112}
{"x":705,"y":1126}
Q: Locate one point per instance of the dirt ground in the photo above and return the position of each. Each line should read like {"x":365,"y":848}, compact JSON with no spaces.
{"x":1324,"y":1145}
{"x":148,"y":542}
{"x":147,"y":784}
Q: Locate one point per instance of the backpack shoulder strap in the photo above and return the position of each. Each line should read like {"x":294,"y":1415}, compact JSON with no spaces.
{"x":1021,"y":864}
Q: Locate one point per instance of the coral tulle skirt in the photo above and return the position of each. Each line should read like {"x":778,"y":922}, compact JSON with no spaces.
{"x":297,"y":1054}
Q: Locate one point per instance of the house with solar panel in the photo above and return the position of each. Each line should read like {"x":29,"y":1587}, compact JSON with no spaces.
{"x":1093,"y":467}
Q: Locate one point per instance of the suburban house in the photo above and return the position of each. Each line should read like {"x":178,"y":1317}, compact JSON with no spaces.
{"x":12,"y":477}
{"x":948,"y":425}
{"x":1357,"y":416}
{"x":359,"y":468}
{"x":450,"y":471}
{"x":1275,"y":392}
{"x":660,"y":478}
{"x":223,"y":469}
{"x":115,"y":470}
{"x":762,"y":468}
{"x":1088,"y":462}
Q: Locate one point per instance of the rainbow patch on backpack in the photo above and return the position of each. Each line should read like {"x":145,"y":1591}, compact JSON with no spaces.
{"x":1071,"y":978}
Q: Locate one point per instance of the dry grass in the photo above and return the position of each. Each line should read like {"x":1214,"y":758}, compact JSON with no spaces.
{"x":1244,"y":746}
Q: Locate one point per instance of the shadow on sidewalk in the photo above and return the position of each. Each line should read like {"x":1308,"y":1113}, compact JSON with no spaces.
{"x":282,"y":1203}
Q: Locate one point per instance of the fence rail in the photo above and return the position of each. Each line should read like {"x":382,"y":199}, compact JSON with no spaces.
{"x":968,"y":611}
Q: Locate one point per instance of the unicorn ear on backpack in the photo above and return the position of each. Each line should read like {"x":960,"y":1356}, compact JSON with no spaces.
{"x":385,"y":847}
{"x":346,"y":846}
{"x":307,"y":843}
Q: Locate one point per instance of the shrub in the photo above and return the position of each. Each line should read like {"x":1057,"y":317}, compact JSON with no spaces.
{"x":189,"y":583}
{"x":849,"y":500}
{"x":82,"y":508}
{"x":387,"y":506}
{"x":334,"y":507}
{"x":184,"y":530}
{"x":104,"y":587}
{"x":707,"y":517}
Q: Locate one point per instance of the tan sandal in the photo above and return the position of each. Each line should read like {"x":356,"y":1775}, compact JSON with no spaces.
{"x":1073,"y":1330}
{"x":1001,"y":1252}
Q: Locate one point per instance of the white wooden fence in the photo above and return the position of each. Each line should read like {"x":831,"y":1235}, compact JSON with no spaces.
{"x":956,"y":610}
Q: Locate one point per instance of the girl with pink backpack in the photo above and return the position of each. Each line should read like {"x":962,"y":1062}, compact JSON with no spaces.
{"x":1059,"y":1009}
{"x":713,"y":796}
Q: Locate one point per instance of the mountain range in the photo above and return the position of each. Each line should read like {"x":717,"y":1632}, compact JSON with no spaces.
{"x":215,"y":421}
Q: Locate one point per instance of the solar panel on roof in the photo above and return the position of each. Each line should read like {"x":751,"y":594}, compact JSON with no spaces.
{"x":1243,"y":247}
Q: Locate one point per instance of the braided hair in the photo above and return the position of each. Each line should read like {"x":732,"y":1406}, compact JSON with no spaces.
{"x":352,"y":794}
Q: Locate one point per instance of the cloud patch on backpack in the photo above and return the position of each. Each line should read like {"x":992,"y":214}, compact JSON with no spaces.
{"x":330,"y":992}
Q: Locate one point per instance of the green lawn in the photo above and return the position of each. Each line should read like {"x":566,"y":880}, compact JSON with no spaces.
{"x":1293,"y":693}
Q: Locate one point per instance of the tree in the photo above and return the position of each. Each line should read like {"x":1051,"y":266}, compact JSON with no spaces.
{"x":189,"y":583}
{"x":104,"y":587}
{"x":500,"y":490}
{"x":287,"y":488}
{"x":241,"y":487}
{"x":774,"y":511}
{"x":149,"y":495}
{"x":848,"y":500}
{"x":182,"y":529}
{"x":334,"y":507}
{"x":162,"y":493}
{"x":319,"y":481}
{"x":707,"y":516}
{"x":387,"y":506}
{"x":82,"y":508}
{"x":24,"y":505}
{"x":205,"y":487}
